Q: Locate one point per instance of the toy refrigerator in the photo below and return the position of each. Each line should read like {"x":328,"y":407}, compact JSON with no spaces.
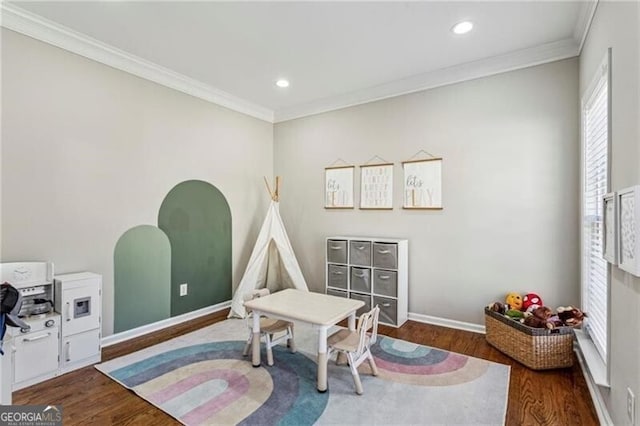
{"x":79,"y":301}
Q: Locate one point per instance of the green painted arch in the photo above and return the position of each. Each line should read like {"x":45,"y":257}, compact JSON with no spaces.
{"x":196,"y":217}
{"x":142,"y":278}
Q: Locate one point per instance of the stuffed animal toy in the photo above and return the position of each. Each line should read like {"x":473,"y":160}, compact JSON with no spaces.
{"x":497,"y":307}
{"x":555,"y":320}
{"x":571,"y":316}
{"x":514,"y":301}
{"x":514,"y":314}
{"x":539,"y":318}
{"x":531,"y":301}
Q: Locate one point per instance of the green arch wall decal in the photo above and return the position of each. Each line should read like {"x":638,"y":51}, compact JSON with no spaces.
{"x":142,"y":278}
{"x":197,"y":219}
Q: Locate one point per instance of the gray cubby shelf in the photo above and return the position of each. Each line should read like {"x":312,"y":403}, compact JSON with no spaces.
{"x":374,"y":270}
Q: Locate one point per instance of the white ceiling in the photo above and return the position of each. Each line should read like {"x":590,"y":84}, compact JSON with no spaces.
{"x":334,"y":53}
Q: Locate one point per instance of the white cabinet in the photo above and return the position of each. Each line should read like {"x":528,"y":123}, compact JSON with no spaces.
{"x":6,"y":371}
{"x":35,"y":351}
{"x":79,"y":301}
{"x":31,"y":364}
{"x":374,"y":270}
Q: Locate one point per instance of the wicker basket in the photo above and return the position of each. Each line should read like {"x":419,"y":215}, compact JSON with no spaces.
{"x":537,"y":348}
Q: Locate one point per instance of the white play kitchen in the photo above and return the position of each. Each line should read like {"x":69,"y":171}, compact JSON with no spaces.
{"x":64,"y":317}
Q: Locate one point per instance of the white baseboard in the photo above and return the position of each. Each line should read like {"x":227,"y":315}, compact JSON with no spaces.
{"x":159,"y":325}
{"x":445,"y":322}
{"x":598,"y":402}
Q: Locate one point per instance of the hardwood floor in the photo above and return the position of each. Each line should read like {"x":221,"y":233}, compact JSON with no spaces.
{"x":555,"y":397}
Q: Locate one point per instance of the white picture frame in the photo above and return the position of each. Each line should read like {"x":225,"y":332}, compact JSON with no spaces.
{"x":338,"y":187}
{"x":422,"y":186}
{"x":628,"y":203}
{"x":376,"y":186}
{"x":610,"y":228}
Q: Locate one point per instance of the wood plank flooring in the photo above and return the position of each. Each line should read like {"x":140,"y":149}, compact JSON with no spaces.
{"x":555,"y":397}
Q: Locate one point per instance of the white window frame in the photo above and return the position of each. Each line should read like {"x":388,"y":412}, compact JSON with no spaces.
{"x":591,"y":351}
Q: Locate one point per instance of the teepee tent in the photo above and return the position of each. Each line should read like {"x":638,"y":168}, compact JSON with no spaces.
{"x":273,"y":264}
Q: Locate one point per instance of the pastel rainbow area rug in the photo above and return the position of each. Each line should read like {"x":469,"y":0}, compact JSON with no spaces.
{"x":202,"y":379}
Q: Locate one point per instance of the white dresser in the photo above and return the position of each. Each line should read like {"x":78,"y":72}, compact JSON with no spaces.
{"x":374,"y":270}
{"x":79,"y":301}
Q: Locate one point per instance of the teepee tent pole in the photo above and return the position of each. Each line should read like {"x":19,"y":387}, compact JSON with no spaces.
{"x":275,"y":195}
{"x":266,"y":182}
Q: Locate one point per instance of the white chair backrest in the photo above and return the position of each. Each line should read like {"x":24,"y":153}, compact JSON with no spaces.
{"x":253,"y":294}
{"x":368,"y":321}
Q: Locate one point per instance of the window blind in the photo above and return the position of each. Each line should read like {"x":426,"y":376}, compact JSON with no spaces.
{"x":596,"y":153}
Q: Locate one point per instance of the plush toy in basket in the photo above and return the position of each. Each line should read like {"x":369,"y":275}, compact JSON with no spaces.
{"x":531,"y":333}
{"x":531,"y":311}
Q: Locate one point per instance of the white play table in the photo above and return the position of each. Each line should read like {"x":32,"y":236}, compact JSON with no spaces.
{"x":322,"y":311}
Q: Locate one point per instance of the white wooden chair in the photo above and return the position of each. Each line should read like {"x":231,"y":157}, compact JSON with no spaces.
{"x":268,"y":328}
{"x":357,"y":344}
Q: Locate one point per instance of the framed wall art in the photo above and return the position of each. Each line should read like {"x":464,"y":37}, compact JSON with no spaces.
{"x":376,"y":186}
{"x":423,"y":184}
{"x":610,"y":229}
{"x":338,"y":187}
{"x":628,"y":229}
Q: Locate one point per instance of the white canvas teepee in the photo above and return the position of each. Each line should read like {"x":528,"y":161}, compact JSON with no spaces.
{"x":272,"y":264}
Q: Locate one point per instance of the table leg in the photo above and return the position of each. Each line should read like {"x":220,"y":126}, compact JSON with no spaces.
{"x":255,"y":341}
{"x":322,"y":359}
{"x":352,"y":321}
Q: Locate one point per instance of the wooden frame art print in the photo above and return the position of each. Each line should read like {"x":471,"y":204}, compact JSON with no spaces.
{"x":422,"y":184}
{"x":376,"y":186}
{"x":338,"y":187}
{"x":609,"y":220}
{"x":629,"y":229}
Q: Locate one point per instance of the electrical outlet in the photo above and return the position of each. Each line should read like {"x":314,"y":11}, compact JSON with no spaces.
{"x":183,"y":289}
{"x":631,"y":405}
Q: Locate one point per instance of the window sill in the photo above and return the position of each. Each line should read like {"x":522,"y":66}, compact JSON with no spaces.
{"x":594,"y":363}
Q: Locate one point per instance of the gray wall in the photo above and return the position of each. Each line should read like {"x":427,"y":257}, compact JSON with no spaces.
{"x":616,"y":25}
{"x":89,"y":152}
{"x":510,"y":187}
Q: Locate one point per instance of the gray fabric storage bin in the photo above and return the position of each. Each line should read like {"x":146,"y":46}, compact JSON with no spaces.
{"x":365,"y":298}
{"x":339,"y":293}
{"x":385,"y":255}
{"x":360,"y":253}
{"x":385,"y":282}
{"x":388,"y":309}
{"x":360,"y":279}
{"x":337,"y":276}
{"x":337,"y":251}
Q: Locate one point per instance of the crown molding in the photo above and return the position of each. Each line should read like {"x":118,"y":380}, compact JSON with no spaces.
{"x":585,"y":16}
{"x":519,"y":59}
{"x":39,"y":28}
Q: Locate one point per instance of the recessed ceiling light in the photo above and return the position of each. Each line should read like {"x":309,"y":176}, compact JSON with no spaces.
{"x":282,"y":83}
{"x":462,"y":27}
